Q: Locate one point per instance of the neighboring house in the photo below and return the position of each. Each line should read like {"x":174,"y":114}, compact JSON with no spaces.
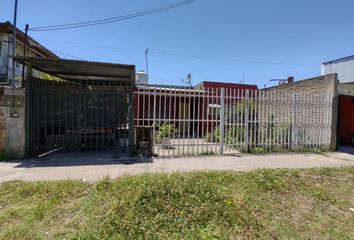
{"x":344,"y":67}
{"x":34,"y":49}
{"x":306,"y":91}
{"x":201,"y":102}
{"x":229,"y":86}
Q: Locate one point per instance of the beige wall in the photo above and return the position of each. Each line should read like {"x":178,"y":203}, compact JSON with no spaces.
{"x":322,"y":84}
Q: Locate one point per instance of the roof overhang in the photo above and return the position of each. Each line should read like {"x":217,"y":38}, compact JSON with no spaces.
{"x":7,"y":27}
{"x":78,"y":70}
{"x":339,"y":60}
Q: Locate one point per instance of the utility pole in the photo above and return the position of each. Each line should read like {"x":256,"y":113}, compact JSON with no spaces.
{"x":147,"y":61}
{"x":243,"y":78}
{"x":24,"y":54}
{"x":14,"y":45}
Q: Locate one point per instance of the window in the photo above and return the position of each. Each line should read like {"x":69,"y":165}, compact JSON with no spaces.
{"x":17,"y":64}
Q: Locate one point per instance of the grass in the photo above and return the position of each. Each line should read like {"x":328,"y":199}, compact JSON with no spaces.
{"x":260,"y":150}
{"x":208,"y":153}
{"x":263,"y":204}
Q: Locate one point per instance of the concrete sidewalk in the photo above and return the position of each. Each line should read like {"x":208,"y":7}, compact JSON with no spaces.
{"x":94,"y":168}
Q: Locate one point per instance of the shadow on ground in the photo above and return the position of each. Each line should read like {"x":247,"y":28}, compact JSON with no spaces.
{"x":83,"y":159}
{"x":346,"y":149}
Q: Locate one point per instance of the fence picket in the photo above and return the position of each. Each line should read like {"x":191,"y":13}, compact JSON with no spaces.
{"x":214,"y":120}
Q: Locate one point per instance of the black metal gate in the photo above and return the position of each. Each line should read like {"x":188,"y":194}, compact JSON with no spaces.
{"x":79,"y":116}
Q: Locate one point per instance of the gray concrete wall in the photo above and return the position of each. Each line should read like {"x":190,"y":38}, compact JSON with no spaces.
{"x":346,"y":89}
{"x":12,"y":122}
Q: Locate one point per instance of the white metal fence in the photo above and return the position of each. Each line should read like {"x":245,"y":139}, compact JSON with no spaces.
{"x":208,"y":121}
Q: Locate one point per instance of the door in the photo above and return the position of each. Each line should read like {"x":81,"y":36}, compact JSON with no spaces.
{"x":346,"y":120}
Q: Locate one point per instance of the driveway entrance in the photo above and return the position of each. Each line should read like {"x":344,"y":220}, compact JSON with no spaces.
{"x":78,"y":106}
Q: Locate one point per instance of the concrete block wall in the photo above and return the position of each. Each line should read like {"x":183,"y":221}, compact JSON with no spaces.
{"x":12,"y":122}
{"x":322,"y":84}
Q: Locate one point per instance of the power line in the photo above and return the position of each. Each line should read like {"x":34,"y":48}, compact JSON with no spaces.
{"x":66,"y":54}
{"x":93,"y":45}
{"x":230,"y":59}
{"x":152,"y":52}
{"x":164,"y":79}
{"x":111,"y":20}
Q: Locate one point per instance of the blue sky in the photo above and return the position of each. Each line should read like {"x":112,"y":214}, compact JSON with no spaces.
{"x":230,"y":38}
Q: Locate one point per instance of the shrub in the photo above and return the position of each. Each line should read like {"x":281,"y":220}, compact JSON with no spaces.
{"x":213,"y":136}
{"x":166,"y":130}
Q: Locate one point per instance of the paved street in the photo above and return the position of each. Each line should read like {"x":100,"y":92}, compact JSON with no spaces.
{"x":93,"y":168}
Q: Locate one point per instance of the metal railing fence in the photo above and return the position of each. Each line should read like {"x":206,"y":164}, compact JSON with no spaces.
{"x":216,"y":120}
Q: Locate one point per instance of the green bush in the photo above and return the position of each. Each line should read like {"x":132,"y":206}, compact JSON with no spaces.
{"x":208,"y":153}
{"x":166,"y":130}
{"x":235,"y":135}
{"x":213,"y":136}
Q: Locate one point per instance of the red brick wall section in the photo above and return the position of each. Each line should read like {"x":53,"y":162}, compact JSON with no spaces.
{"x":206,"y":84}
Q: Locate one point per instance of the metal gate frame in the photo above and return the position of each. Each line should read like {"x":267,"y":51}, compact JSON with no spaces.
{"x":106,"y":78}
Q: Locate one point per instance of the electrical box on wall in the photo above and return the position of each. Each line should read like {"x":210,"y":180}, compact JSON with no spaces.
{"x":18,"y":101}
{"x":13,"y":101}
{"x":8,"y":101}
{"x":15,"y":112}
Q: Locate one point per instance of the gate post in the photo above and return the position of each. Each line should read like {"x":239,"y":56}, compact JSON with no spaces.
{"x":246,"y":119}
{"x":28,"y":112}
{"x":222,"y":120}
{"x":131,"y":112}
{"x":293,"y":123}
{"x":154,"y":120}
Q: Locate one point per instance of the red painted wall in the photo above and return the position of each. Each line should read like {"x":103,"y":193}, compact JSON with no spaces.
{"x":207,"y":84}
{"x":212,"y":89}
{"x":346,"y":120}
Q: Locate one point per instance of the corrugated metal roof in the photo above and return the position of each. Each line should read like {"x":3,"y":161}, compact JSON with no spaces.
{"x":81,"y":70}
{"x":340,"y":60}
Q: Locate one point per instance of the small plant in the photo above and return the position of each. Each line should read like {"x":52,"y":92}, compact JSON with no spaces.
{"x":213,"y":136}
{"x":235,"y":135}
{"x":166,"y":130}
{"x":257,"y":150}
{"x":207,"y":153}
